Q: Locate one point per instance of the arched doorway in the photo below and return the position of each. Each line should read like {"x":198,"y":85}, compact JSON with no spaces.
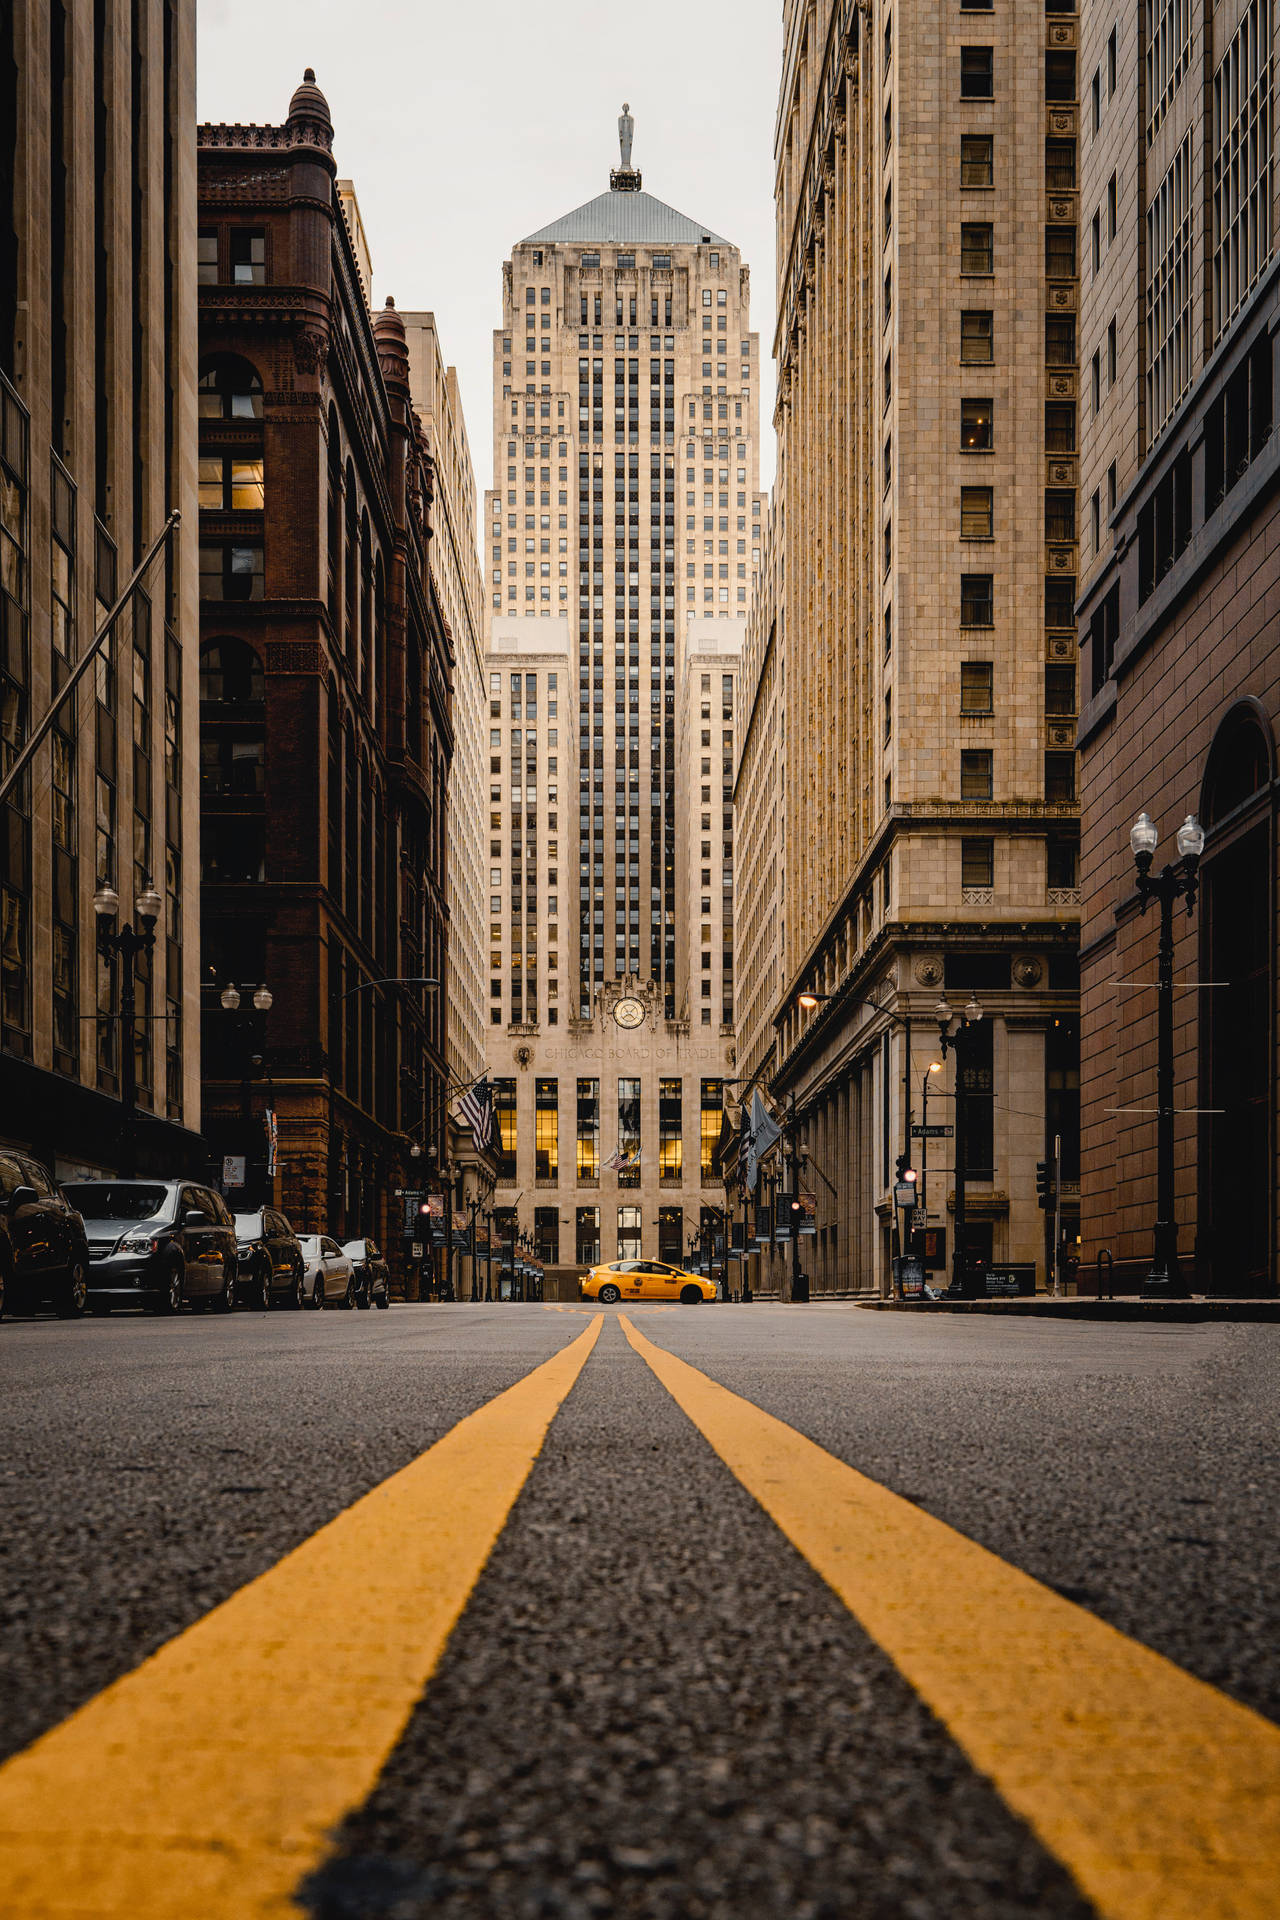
{"x":1237,"y":1039}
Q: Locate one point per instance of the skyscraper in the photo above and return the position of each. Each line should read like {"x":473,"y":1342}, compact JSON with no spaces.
{"x":632,"y":529}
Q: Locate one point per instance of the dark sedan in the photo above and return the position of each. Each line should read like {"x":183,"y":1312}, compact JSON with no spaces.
{"x":44,"y":1256}
{"x":271,"y":1262}
{"x":156,"y":1243}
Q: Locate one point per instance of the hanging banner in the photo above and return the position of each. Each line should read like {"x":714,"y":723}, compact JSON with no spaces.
{"x":273,"y":1141}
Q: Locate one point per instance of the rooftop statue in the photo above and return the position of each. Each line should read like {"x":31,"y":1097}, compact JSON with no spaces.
{"x":626,"y":131}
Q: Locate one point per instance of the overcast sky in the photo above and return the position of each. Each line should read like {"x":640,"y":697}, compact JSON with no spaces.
{"x":466,"y":126}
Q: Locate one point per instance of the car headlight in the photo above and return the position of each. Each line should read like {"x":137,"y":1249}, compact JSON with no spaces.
{"x":138,"y":1243}
{"x":246,"y":1253}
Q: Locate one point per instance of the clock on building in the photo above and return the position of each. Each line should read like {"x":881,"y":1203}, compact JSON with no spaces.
{"x":629,"y":1012}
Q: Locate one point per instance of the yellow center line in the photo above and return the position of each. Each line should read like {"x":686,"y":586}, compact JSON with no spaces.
{"x":208,"y":1781}
{"x":1157,"y":1792}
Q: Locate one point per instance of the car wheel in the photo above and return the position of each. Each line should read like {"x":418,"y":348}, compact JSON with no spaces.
{"x":225,"y":1302}
{"x":170,"y":1300}
{"x":73,"y":1294}
{"x":364,"y":1298}
{"x":262,"y":1299}
{"x":609,"y":1295}
{"x":691,"y":1296}
{"x":317,"y":1294}
{"x":348,"y":1299}
{"x":296,"y":1297}
{"x":382,"y":1299}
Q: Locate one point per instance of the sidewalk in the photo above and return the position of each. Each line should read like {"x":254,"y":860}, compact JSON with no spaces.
{"x":1088,"y":1307}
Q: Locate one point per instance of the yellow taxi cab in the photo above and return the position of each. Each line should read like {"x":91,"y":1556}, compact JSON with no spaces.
{"x":644,"y":1280}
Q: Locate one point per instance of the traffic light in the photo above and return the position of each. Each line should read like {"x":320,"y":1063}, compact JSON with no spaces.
{"x":903,"y":1166}
{"x":1042,"y":1185}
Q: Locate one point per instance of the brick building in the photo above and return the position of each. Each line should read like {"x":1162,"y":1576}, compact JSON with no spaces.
{"x":1180,"y":466}
{"x":326,"y":689}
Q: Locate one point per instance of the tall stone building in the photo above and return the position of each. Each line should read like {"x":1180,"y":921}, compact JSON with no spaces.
{"x":97,"y":448}
{"x":1179,"y":320}
{"x":325,"y":697}
{"x":624,"y":514}
{"x":925,"y":534}
{"x":455,"y":568}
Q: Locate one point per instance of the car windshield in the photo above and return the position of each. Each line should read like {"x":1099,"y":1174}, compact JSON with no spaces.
{"x":249,"y":1225}
{"x":125,"y":1201}
{"x":309,"y":1242}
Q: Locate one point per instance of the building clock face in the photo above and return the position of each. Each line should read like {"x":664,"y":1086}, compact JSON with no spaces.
{"x":629,"y":1012}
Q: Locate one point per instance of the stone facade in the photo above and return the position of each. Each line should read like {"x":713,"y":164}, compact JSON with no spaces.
{"x":97,"y":448}
{"x":1179,"y":463}
{"x":326,"y":669}
{"x":925,"y":526}
{"x":625,"y":514}
{"x":455,"y":568}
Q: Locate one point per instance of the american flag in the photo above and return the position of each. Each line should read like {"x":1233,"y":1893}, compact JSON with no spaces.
{"x":476,"y":1108}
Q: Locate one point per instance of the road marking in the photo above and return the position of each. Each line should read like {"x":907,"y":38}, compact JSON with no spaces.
{"x":208,"y":1781}
{"x":1157,"y":1792}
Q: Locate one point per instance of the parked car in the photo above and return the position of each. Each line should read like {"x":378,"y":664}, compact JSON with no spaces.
{"x":328,"y":1274}
{"x":272,"y":1268}
{"x":156,"y":1243}
{"x":373,"y":1275}
{"x":44,"y":1255}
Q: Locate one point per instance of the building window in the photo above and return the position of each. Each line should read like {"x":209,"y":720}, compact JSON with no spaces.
{"x":231,"y":573}
{"x":976,"y":600}
{"x":1059,"y":514}
{"x":231,"y":482}
{"x":1060,"y":427}
{"x":977,"y":339}
{"x":975,"y":1101}
{"x":670,"y":1133}
{"x":248,"y":254}
{"x":975,"y":773}
{"x":588,"y":1141}
{"x":976,"y":69}
{"x":628,"y":1158}
{"x":1059,"y":599}
{"x":587,"y":1236}
{"x":546,"y":1235}
{"x":504,"y":1110}
{"x":1060,"y":166}
{"x":207,"y":257}
{"x":975,"y":686}
{"x":229,"y":389}
{"x":1059,"y":76}
{"x":976,"y":432}
{"x":1062,"y":862}
{"x":546,"y":1131}
{"x":1060,"y":777}
{"x":629,"y":1244}
{"x":710,"y":1120}
{"x":1168,"y":56}
{"x":976,"y":160}
{"x":1060,"y":253}
{"x":1060,"y":340}
{"x":977,"y":513}
{"x":977,"y":863}
{"x":1059,"y":690}
{"x":977,"y":247}
{"x":1168,"y":292}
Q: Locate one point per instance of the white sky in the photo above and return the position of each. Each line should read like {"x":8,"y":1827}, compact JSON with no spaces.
{"x":465,"y":127}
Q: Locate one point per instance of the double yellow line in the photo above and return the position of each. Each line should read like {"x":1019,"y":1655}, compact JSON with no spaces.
{"x":209,"y":1781}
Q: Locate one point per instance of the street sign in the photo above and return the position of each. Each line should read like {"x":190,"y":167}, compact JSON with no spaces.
{"x":410,"y":1193}
{"x":904,"y":1195}
{"x":415,"y":1250}
{"x":233,"y":1170}
{"x":932,"y":1133}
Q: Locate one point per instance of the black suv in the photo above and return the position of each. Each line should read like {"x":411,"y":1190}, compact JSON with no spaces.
{"x":156,"y":1243}
{"x":271,"y":1264}
{"x":43,"y":1252}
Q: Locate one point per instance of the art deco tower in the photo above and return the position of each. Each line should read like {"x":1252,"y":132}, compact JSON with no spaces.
{"x":623,"y":521}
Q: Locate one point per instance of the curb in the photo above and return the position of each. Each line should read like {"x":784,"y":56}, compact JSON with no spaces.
{"x":1131,"y":1308}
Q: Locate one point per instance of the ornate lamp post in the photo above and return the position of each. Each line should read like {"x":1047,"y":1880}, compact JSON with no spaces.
{"x":922,"y":1200}
{"x":229,"y":999}
{"x":954,"y":1030}
{"x":1180,"y":879}
{"x":125,"y":944}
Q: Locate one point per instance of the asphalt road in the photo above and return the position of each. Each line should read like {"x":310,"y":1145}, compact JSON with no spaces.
{"x":652,"y":1704}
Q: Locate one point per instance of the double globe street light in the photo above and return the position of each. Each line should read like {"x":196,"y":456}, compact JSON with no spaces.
{"x":955,"y":1031}
{"x":125,"y":944}
{"x":1179,"y":879}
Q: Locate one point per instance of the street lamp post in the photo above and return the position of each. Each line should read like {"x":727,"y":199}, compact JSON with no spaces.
{"x":922,"y":1196}
{"x":125,"y":945}
{"x":229,"y":999}
{"x":1178,"y":879}
{"x":954,"y":1029}
{"x":486,"y":1214}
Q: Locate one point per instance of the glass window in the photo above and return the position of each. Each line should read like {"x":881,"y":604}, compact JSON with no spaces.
{"x":976,"y":160}
{"x":975,"y":773}
{"x":588,"y":1137}
{"x":977,"y":513}
{"x":670,"y":1132}
{"x":229,"y":390}
{"x":504,"y":1108}
{"x":976,"y":600}
{"x":629,"y":1133}
{"x":975,"y":686}
{"x":977,"y":863}
{"x":587,"y":1236}
{"x":207,"y":257}
{"x":248,"y":256}
{"x":710,"y":1119}
{"x":628,"y":1233}
{"x":976,"y":73}
{"x":546,"y":1143}
{"x":1059,"y":513}
{"x":975,"y":426}
{"x":977,"y":339}
{"x":977,"y":247}
{"x":1060,"y":165}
